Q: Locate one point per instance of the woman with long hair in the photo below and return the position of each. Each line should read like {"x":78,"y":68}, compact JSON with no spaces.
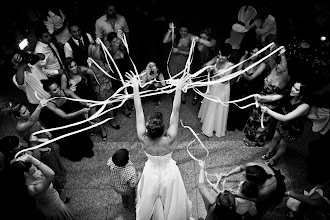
{"x":76,"y":78}
{"x":27,"y":124}
{"x":274,"y":89}
{"x":270,"y":182}
{"x":61,"y":112}
{"x":290,"y":125}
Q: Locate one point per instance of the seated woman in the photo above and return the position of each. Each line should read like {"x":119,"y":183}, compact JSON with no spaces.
{"x":38,"y":180}
{"x":220,"y":207}
{"x":313,"y":206}
{"x":27,"y":124}
{"x":149,"y":74}
{"x":270,"y":182}
{"x":76,"y":79}
{"x":291,"y":122}
{"x":63,"y":112}
{"x":161,"y":193}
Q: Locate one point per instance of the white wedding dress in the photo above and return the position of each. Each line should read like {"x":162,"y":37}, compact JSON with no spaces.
{"x":161,"y":194}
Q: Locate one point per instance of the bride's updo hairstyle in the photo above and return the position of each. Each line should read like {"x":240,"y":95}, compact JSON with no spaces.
{"x":155,"y":125}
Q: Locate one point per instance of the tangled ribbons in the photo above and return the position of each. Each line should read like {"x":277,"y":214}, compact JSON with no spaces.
{"x":218,"y":176}
{"x":169,"y":88}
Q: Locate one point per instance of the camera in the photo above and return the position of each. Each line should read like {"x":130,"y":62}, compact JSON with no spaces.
{"x":28,"y":56}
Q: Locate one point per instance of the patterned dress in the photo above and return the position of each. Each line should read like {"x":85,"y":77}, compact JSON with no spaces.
{"x":292,"y":129}
{"x":255,"y":135}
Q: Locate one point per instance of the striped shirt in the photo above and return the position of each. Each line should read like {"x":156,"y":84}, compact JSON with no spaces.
{"x":122,"y":179}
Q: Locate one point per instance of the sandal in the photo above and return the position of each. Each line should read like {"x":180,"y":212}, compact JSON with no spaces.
{"x":267,"y":155}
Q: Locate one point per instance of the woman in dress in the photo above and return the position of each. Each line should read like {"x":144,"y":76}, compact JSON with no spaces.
{"x":204,"y":51}
{"x":217,"y":207}
{"x":180,"y":50}
{"x":250,"y":82}
{"x":29,"y":123}
{"x":269,"y":180}
{"x":76,"y":80}
{"x":121,"y":58}
{"x":38,"y":180}
{"x":274,"y":88}
{"x":290,"y":125}
{"x":161,"y":193}
{"x":63,"y":112}
{"x":213,"y":115}
{"x":101,"y":83}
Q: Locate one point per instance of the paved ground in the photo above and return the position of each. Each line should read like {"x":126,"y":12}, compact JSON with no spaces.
{"x":92,"y":198}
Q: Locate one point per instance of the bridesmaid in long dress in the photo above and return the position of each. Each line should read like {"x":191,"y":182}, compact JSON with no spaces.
{"x":274,"y":89}
{"x":214,"y":115}
{"x":161,"y":192}
{"x":180,"y":51}
{"x":38,"y":179}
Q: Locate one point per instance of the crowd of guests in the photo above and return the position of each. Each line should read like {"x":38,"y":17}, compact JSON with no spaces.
{"x":54,"y":70}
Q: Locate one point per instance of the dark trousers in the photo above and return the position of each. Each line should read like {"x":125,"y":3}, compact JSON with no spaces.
{"x":129,"y":200}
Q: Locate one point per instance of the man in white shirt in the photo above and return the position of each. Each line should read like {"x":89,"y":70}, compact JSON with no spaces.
{"x":27,"y":78}
{"x":265,"y":27}
{"x":111,"y":22}
{"x":52,"y":64}
{"x":77,"y":45}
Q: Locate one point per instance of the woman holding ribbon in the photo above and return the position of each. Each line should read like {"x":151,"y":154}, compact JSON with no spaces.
{"x":161,"y":193}
{"x":274,"y":89}
{"x":63,"y":112}
{"x":290,"y":125}
{"x":76,"y":79}
{"x":181,"y":41}
{"x":213,"y":114}
{"x":38,"y":178}
{"x":27,"y":124}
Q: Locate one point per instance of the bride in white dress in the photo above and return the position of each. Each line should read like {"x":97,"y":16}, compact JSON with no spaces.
{"x":161,"y":194}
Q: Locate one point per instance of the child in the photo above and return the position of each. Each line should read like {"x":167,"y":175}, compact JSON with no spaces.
{"x":247,"y":191}
{"x":123,"y":177}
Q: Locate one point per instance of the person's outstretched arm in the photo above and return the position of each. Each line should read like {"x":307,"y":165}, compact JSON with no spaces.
{"x":206,"y":195}
{"x":172,"y":130}
{"x":300,"y":110}
{"x":140,"y":121}
{"x":45,"y":170}
{"x":25,"y":126}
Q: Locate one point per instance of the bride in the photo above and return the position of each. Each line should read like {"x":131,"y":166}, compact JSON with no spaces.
{"x":161,"y":193}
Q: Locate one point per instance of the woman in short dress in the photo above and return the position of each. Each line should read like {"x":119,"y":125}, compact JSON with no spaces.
{"x":291,"y":122}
